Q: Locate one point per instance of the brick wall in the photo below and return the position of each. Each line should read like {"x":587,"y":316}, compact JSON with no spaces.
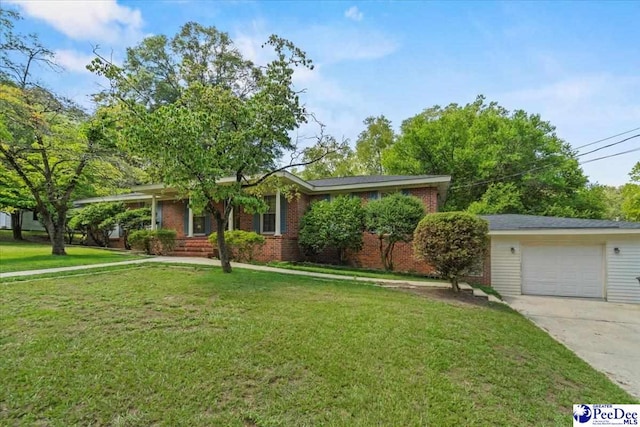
{"x":173,"y":212}
{"x":403,"y":259}
{"x":285,"y":247}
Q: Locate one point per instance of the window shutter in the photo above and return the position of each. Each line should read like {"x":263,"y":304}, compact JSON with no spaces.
{"x":283,"y":214}
{"x":256,"y":223}
{"x":207,"y":223}
{"x":159,"y":214}
{"x":186,"y":218}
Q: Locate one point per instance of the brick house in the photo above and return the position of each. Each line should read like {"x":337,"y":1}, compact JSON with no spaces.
{"x":281,"y":223}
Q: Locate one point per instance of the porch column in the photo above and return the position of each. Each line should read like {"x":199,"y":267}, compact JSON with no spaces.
{"x":278,"y":213}
{"x":230,"y":224}
{"x":154,"y":207}
{"x":190,"y":224}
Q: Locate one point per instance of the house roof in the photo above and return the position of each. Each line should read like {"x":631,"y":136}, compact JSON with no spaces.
{"x":375,"y":179}
{"x":513,"y":222}
{"x":317,"y":186}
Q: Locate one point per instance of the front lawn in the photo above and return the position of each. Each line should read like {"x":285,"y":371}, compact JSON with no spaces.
{"x":19,"y":256}
{"x":160,"y":345}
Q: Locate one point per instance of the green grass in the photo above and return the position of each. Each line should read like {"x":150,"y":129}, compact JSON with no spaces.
{"x":350,"y":271}
{"x":19,"y":256}
{"x":173,"y":346}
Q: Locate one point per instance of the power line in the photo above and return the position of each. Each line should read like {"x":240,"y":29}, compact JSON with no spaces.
{"x":611,"y":155}
{"x":605,"y":139}
{"x":474,"y":184}
{"x":608,"y":145}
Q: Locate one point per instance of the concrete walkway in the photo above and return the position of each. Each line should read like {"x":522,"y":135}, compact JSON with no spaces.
{"x":216,"y":263}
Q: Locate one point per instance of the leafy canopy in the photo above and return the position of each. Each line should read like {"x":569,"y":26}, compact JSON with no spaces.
{"x":200,"y":112}
{"x":481,"y":144}
{"x":336,"y":224}
{"x":393,"y":219}
{"x":631,"y":195}
{"x":452,"y":242}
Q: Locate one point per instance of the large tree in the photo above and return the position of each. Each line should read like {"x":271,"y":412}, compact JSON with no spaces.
{"x":481,"y":144}
{"x":372,"y":142}
{"x":338,"y":163}
{"x":200,"y":112}
{"x":54,"y":148}
{"x":631,"y":196}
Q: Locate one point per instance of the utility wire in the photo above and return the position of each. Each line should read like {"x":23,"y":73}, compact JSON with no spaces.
{"x":608,"y":145}
{"x":473,"y":184}
{"x":605,"y":139}
{"x":610,"y":155}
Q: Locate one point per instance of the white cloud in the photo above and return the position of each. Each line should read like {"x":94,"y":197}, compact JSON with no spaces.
{"x":73,"y":60}
{"x":354,"y":13}
{"x":249,"y":40}
{"x":331,"y":44}
{"x":96,"y":21}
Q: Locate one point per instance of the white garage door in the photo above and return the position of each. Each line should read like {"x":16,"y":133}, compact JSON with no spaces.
{"x":569,"y":271}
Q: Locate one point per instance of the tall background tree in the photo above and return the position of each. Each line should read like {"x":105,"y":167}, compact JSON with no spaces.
{"x":377,"y":137}
{"x":631,"y":196}
{"x":482,"y":145}
{"x":53,"y":147}
{"x":200,"y":112}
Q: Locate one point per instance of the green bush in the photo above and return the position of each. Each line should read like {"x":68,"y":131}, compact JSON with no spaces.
{"x":241,"y":243}
{"x":451,"y":242}
{"x":96,"y":220}
{"x":337,"y":224}
{"x":393,"y":219}
{"x":156,"y":242}
{"x":131,"y":220}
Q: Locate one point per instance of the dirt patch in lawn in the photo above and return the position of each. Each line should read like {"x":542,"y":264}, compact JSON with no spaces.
{"x":447,"y":295}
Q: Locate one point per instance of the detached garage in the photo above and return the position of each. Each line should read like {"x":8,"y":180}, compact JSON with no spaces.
{"x":565,"y":257}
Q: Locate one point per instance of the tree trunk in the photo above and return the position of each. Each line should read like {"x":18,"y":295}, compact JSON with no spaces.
{"x":388,"y":256}
{"x":454,"y":284}
{"x":16,"y":224}
{"x":223,"y":250}
{"x":57,"y":236}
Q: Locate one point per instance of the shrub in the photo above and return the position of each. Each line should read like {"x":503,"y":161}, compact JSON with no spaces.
{"x":452,"y":242}
{"x":337,"y":224}
{"x":131,"y":220}
{"x":96,"y":220}
{"x":241,"y":243}
{"x":156,"y":242}
{"x":393,"y":219}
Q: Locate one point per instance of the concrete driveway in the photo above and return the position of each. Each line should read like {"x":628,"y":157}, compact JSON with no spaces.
{"x":605,"y":335}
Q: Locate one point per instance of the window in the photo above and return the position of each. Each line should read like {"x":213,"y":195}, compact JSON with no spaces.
{"x":35,"y":215}
{"x":198,"y":224}
{"x":269,"y":217}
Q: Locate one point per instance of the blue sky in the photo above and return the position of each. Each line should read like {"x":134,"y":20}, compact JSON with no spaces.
{"x":577,"y":64}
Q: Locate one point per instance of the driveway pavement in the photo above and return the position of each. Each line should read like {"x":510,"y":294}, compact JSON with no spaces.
{"x":605,"y":335}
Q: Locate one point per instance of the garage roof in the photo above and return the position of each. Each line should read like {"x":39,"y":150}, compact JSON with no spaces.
{"x":532,"y":222}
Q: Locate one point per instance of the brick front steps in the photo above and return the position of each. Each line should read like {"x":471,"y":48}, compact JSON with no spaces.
{"x":193,"y":247}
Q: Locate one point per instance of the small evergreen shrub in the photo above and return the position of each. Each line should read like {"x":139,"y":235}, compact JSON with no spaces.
{"x":157,"y":242}
{"x":241,"y":244}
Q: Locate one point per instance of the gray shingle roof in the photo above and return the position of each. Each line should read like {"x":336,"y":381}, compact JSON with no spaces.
{"x":370,"y":179}
{"x":532,"y":222}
